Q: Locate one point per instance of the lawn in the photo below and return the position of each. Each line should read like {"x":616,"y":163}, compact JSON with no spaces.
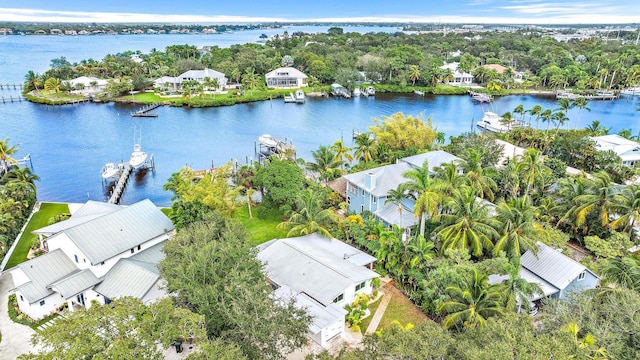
{"x":38,"y":220}
{"x":372,"y":308}
{"x":403,"y":310}
{"x":261,"y":229}
{"x":147,"y":97}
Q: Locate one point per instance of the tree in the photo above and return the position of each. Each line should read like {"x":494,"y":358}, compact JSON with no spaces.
{"x":52,"y":85}
{"x":212,"y":269}
{"x":342,"y":152}
{"x":520,"y":110}
{"x":365,"y":149}
{"x":6,"y":152}
{"x":414,"y":73}
{"x":466,"y":224}
{"x":324,"y":164}
{"x":545,"y":115}
{"x":280,"y":182}
{"x":580,"y":103}
{"x":517,"y":290}
{"x":596,"y":128}
{"x":287,"y":61}
{"x":473,"y":304}
{"x":599,"y":198}
{"x":623,"y":271}
{"x":519,"y":230}
{"x":126,"y":328}
{"x":397,"y":196}
{"x":532,"y":169}
{"x":309,"y":217}
{"x":400,"y":132}
{"x":536,"y":111}
{"x":424,"y":191}
{"x":627,"y":205}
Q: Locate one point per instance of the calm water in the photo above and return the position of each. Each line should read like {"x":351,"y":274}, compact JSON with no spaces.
{"x":70,"y":144}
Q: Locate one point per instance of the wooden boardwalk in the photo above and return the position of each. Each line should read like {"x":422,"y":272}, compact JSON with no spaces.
{"x":123,"y":179}
{"x":144,"y":111}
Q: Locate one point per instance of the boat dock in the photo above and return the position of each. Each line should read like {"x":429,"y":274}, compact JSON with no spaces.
{"x":121,"y":184}
{"x":11,"y":86}
{"x":144,"y":111}
{"x":11,"y":99}
{"x":480,"y":97}
{"x":599,"y":95}
{"x":267,"y":146}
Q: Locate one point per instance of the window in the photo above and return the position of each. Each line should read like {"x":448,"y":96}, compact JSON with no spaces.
{"x":582,"y":275}
{"x":375,"y":199}
{"x":362,"y":208}
{"x":360,"y":286}
{"x":348,"y":199}
{"x":76,"y":257}
{"x":21,"y":298}
{"x":339,"y":298}
{"x":139,"y":247}
{"x":42,"y":303}
{"x":132,"y":250}
{"x":362,"y":192}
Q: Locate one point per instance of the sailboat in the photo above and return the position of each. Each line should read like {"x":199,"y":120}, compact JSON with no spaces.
{"x":138,"y":157}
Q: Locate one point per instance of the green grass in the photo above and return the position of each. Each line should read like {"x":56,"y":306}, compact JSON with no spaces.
{"x":373,"y":307}
{"x":261,"y":229}
{"x":403,"y":310}
{"x":38,"y":220}
{"x":167,"y":211}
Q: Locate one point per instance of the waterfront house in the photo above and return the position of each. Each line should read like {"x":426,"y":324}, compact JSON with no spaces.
{"x":322,"y":275}
{"x":458,"y":77}
{"x":368,"y":190}
{"x":201,"y":75}
{"x":101,"y":252}
{"x":517,"y":76}
{"x":86,"y":85}
{"x":286,"y":77}
{"x":627,"y":150}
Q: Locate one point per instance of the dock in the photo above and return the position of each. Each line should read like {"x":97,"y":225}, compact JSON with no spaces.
{"x":118,"y":189}
{"x":283,"y":149}
{"x":144,"y":111}
{"x":11,"y":86}
{"x":11,"y":99}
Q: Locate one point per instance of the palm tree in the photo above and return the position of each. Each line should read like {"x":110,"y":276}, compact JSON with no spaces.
{"x":5,"y":154}
{"x":520,"y":110}
{"x":559,"y":118}
{"x":598,"y":198}
{"x":249,"y":196}
{"x":342,"y":152}
{"x":24,"y":175}
{"x":397,"y":196}
{"x":32,"y":80}
{"x":309,"y":217}
{"x":507,"y":119}
{"x":482,"y":184}
{"x":365,"y":149}
{"x":532,"y":168}
{"x":580,"y":103}
{"x":624,"y":271}
{"x":425,"y":192}
{"x":546,"y":116}
{"x":596,"y":128}
{"x":449,"y":176}
{"x":516,"y":289}
{"x":52,"y":84}
{"x":627,"y":205}
{"x":536,"y":111}
{"x":325,"y":163}
{"x":473,"y":304}
{"x":421,"y":252}
{"x":414,"y":73}
{"x":466,"y":225}
{"x":519,"y":229}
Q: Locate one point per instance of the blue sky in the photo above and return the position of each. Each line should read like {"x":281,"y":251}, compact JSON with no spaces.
{"x":203,"y":11}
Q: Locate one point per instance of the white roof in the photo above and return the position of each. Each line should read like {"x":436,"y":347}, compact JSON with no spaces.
{"x":552,"y":266}
{"x":530,"y":277}
{"x":322,"y":316}
{"x":285,"y":72}
{"x":452,"y":66}
{"x":389,"y":214}
{"x":509,"y":151}
{"x":87,"y":212}
{"x":628,"y":150}
{"x":321,"y":268}
{"x":201,"y":74}
{"x":166,"y":79}
{"x":86,"y":81}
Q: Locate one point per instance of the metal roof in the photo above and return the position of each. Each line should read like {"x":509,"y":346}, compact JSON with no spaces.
{"x":201,"y":74}
{"x":307,"y":266}
{"x":552,"y":266}
{"x":435,"y":159}
{"x":289,"y":71}
{"x":119,"y":231}
{"x":322,"y":316}
{"x":43,"y":271}
{"x":389,"y":214}
{"x":75,"y":283}
{"x":89,"y":211}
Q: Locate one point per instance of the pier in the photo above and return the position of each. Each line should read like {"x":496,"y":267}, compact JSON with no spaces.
{"x":11,"y":99}
{"x":268,"y":146}
{"x":144,"y":111}
{"x":118,"y":189}
{"x":10,"y":86}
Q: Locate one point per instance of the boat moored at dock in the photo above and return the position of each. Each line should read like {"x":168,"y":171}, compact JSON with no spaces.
{"x":299,"y":96}
{"x":110,"y":171}
{"x":338,"y":90}
{"x":357,"y":92}
{"x":493,"y":122}
{"x":371,"y":91}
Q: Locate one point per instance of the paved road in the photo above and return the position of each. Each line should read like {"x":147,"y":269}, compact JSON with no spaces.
{"x":16,"y":338}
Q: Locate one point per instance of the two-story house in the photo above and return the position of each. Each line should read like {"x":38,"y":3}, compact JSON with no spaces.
{"x":368,"y":190}
{"x":103,"y":251}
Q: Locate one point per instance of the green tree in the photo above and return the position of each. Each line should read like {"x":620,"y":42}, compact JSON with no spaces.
{"x":280,"y":182}
{"x":598,"y":198}
{"x":400,"y":132}
{"x":517,"y":290}
{"x":212,"y":269}
{"x":532,"y":169}
{"x":309,"y":216}
{"x":397,"y":196}
{"x":342,"y":152}
{"x":519,"y":230}
{"x":6,"y":152}
{"x":627,"y":205}
{"x":414,"y":73}
{"x":623,"y":271}
{"x":365,"y":149}
{"x":424,"y":191}
{"x":324,"y":164}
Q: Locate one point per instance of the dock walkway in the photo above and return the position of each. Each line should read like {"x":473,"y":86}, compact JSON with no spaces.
{"x":144,"y":111}
{"x":118,"y":189}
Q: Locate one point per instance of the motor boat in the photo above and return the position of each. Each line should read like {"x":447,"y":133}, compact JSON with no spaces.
{"x":357,"y":92}
{"x":267,"y":140}
{"x":632,"y":91}
{"x":493,"y":122}
{"x":299,"y":96}
{"x":138,"y":157}
{"x":371,"y":91}
{"x":110,"y":171}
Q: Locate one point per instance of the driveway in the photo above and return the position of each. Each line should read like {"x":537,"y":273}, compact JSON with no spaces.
{"x":16,"y":338}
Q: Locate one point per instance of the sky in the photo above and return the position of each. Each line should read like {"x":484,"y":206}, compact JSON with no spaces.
{"x":223,"y":11}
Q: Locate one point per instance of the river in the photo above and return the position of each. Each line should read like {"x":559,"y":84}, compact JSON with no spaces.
{"x":70,"y":144}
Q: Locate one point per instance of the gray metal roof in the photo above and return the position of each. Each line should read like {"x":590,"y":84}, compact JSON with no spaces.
{"x":75,"y":283}
{"x":201,"y":74}
{"x":119,"y":231}
{"x":89,"y":211}
{"x":435,"y":158}
{"x":322,"y":316}
{"x":552,"y":266}
{"x":530,"y":277}
{"x":307,"y":266}
{"x":43,"y":271}
{"x":290,"y":72}
{"x":389,"y":214}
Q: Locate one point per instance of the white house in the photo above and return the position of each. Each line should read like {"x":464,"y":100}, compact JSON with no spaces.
{"x":627,"y":150}
{"x":323,"y":275}
{"x":87,"y":85}
{"x":200,"y":75}
{"x":286,"y":77}
{"x":101,"y":252}
{"x":459,"y":77}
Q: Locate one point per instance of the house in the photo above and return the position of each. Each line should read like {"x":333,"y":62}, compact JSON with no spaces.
{"x":87,"y":85}
{"x":286,"y":77}
{"x":627,"y":150}
{"x":101,"y":252}
{"x":166,"y":82}
{"x":517,"y":76}
{"x":368,"y":190}
{"x":457,"y":77}
{"x":200,"y":75}
{"x":322,"y":275}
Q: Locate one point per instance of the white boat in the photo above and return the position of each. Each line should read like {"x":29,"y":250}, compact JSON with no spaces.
{"x":632,"y":91}
{"x":371,"y":91}
{"x":338,"y":90}
{"x":110,"y":171}
{"x":357,"y":92}
{"x":418,"y":92}
{"x":138,"y":157}
{"x":267,"y":140}
{"x":289,"y":98}
{"x":299,"y":96}
{"x":493,"y":122}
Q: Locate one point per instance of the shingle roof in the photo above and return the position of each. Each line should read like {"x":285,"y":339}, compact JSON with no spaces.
{"x":43,"y":271}
{"x":289,"y":71}
{"x":116,"y":232}
{"x":552,"y":266}
{"x":312,"y":267}
{"x":625,"y":148}
{"x":75,"y":283}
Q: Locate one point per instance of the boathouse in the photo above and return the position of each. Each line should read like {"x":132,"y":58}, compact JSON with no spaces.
{"x":286,"y":77}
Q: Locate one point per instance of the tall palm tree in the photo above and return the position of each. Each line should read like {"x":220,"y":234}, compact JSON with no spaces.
{"x":449,"y":176}
{"x":545,"y":115}
{"x":516,"y":289}
{"x":25,"y":176}
{"x":520,"y":110}
{"x":425,"y":192}
{"x":365,"y":149}
{"x":507,"y":119}
{"x":325,"y":163}
{"x":466,"y":224}
{"x":580,"y":103}
{"x":532,"y":168}
{"x":309,"y":216}
{"x":598,"y":198}
{"x":627,"y":205}
{"x":519,"y":228}
{"x":536,"y":111}
{"x":481,"y":183}
{"x":6,"y":152}
{"x":624,"y":271}
{"x":596,"y":128}
{"x":473,"y":303}
{"x":342,"y":152}
{"x":397,"y":196}
{"x":559,"y":118}
{"x":414,"y":73}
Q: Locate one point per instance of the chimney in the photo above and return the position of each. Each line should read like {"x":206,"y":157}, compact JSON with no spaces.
{"x":370,"y":181}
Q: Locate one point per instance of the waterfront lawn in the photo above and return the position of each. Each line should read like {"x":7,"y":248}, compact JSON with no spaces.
{"x":39,"y":220}
{"x":146,"y":97}
{"x":263,"y":228}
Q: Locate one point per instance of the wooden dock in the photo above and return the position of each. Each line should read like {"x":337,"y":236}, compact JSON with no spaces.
{"x":144,"y":111}
{"x":11,"y":86}
{"x":118,"y":189}
{"x":11,"y":99}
